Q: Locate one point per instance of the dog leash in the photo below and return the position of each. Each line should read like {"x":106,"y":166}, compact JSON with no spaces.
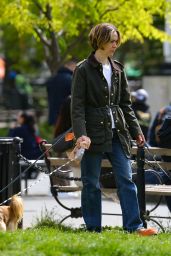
{"x":78,"y":155}
{"x":33,"y":164}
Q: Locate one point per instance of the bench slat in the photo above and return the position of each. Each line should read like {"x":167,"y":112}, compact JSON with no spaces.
{"x":54,"y":161}
{"x":165,"y":165}
{"x":164,"y":190}
{"x":154,"y":150}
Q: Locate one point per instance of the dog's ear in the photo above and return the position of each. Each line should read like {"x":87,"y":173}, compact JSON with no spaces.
{"x":16,"y":207}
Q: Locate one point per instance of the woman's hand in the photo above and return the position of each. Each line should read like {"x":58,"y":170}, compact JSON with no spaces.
{"x":83,"y":142}
{"x":140,"y":140}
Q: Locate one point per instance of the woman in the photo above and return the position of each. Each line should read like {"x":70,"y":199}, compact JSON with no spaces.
{"x":102,"y":119}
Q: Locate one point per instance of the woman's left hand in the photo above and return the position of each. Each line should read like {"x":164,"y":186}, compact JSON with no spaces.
{"x":140,"y":140}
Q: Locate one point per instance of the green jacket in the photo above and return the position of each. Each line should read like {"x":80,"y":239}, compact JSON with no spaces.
{"x":91,"y":101}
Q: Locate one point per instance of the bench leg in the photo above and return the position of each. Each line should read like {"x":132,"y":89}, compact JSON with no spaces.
{"x":141,"y":183}
{"x":75,"y":212}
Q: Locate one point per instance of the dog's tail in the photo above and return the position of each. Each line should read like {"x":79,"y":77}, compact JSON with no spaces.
{"x":16,"y":208}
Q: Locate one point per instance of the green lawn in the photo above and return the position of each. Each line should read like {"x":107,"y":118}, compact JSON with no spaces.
{"x":58,"y":242}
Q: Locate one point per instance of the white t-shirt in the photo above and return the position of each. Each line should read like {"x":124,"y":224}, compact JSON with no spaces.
{"x":107,"y":72}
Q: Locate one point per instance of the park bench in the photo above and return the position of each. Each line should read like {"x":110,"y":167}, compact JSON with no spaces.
{"x":139,"y":162}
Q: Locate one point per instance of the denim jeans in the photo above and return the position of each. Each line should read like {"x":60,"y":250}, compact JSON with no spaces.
{"x":91,"y":192}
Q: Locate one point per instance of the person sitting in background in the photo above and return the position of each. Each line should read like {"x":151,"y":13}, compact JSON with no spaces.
{"x":153,"y":138}
{"x":26,"y":130}
{"x":160,"y":136}
{"x":141,"y":109}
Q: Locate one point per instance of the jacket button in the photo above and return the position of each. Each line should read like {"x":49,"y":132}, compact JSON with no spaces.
{"x":106,"y":96}
{"x":101,"y":122}
{"x":118,"y":130}
{"x":111,"y":94}
{"x":111,"y":103}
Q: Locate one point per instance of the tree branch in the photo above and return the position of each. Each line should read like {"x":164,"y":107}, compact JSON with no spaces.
{"x":72,"y":45}
{"x":39,"y":7}
{"x":111,"y":9}
{"x":107,"y":11}
{"x":48,"y":12}
{"x":53,"y":51}
{"x":42,"y":37}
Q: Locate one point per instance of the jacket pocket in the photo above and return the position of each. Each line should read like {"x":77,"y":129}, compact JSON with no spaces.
{"x":95,"y":129}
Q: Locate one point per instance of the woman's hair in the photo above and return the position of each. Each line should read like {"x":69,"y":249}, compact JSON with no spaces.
{"x":101,"y":34}
{"x":63,"y":122}
{"x":28,"y":120}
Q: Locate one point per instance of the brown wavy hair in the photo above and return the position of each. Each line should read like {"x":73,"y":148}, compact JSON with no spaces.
{"x":101,"y":34}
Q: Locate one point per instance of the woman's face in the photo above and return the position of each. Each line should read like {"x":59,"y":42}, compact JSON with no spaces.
{"x":110,"y":47}
{"x":20,"y":119}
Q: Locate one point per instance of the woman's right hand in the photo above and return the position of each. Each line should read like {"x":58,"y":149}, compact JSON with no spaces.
{"x":83,"y":142}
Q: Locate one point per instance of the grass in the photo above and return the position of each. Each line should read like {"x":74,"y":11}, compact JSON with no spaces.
{"x":49,"y":238}
{"x":59,"y":242}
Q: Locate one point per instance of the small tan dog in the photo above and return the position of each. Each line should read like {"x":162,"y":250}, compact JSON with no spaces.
{"x":11,"y":215}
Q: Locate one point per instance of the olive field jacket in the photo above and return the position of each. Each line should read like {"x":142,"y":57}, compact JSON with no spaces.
{"x":91,"y":102}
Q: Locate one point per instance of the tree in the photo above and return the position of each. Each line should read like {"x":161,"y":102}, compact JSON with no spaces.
{"x":62,"y":26}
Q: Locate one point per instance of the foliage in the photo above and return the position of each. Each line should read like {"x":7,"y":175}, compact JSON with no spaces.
{"x":25,"y":53}
{"x":49,"y":241}
{"x":46,"y":131}
{"x":62,"y":26}
{"x":3,"y":132}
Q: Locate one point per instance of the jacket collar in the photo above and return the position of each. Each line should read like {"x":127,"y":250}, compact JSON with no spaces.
{"x":92,"y":60}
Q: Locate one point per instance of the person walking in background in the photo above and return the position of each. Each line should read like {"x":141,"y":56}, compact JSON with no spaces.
{"x":58,"y":88}
{"x":102,"y":121}
{"x":141,"y":109}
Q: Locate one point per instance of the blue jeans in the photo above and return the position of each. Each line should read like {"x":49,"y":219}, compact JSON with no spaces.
{"x":91,"y":192}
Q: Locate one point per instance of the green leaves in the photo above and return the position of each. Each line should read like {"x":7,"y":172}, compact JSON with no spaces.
{"x":68,"y":21}
{"x":129,"y":16}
